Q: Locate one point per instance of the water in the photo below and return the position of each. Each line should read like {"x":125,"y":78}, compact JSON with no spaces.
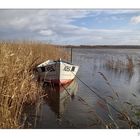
{"x":82,"y":108}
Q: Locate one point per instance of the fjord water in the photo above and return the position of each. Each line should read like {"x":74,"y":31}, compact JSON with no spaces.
{"x":83,"y":108}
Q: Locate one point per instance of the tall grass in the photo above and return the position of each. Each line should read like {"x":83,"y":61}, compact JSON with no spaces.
{"x":128,"y":114}
{"x":17,"y":87}
{"x":121,"y":65}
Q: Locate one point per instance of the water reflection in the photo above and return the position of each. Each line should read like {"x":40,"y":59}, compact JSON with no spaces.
{"x":124,"y":74}
{"x":55,"y":97}
{"x":124,"y":80}
{"x":59,"y":103}
{"x":58,"y":96}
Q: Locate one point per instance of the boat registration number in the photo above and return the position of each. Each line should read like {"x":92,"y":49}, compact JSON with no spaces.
{"x":50,"y":69}
{"x":67,"y":68}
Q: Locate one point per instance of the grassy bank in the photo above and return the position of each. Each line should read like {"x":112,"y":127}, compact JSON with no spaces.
{"x":17,"y":87}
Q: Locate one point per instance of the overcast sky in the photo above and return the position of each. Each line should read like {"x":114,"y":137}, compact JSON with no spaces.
{"x":75,"y":27}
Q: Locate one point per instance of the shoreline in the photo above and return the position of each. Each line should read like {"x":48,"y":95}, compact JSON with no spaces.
{"x":103,"y":47}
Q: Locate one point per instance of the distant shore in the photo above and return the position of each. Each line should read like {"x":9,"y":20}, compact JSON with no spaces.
{"x":103,"y":46}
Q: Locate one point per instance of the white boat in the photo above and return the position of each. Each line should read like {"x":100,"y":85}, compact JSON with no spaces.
{"x":56,"y":71}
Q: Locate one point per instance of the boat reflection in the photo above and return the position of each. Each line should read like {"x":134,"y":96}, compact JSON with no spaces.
{"x":58,"y":96}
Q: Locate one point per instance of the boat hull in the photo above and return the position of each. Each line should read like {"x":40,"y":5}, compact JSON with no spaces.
{"x":56,"y":81}
{"x":58,"y":73}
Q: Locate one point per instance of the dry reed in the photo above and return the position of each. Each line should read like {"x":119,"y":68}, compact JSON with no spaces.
{"x":17,"y":87}
{"x":121,"y":65}
{"x":125,"y":114}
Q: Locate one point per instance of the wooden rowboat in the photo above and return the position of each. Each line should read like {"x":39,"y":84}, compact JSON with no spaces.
{"x":59,"y":71}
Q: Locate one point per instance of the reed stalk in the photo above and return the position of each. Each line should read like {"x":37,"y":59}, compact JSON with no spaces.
{"x":17,"y":87}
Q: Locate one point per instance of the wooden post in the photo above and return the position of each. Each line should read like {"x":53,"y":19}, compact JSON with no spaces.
{"x":71,"y":54}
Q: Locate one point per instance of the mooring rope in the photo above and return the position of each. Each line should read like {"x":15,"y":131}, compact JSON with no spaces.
{"x":65,"y":88}
{"x":96,"y":93}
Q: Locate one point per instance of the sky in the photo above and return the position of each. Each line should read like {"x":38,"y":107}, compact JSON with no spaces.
{"x":72,"y":27}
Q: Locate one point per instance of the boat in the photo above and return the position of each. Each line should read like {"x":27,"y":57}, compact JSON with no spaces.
{"x":59,"y":72}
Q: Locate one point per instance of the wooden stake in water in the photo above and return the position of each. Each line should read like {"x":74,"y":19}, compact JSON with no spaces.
{"x":71,"y":54}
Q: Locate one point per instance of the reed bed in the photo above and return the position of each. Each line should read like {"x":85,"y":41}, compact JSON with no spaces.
{"x":121,"y":65}
{"x":17,"y":87}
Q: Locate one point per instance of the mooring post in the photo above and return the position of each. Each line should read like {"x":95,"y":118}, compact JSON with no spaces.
{"x":71,"y":54}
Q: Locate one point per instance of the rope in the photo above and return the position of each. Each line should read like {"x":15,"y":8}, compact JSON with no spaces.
{"x":65,"y":88}
{"x":96,"y":93}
